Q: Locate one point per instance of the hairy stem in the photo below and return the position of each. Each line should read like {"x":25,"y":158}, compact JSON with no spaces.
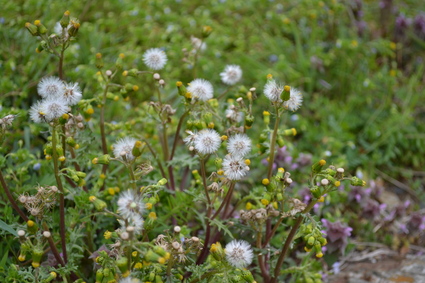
{"x":261,"y":263}
{"x":273,"y":143}
{"x":62,"y":195}
{"x":288,"y":241}
{"x":53,"y":246}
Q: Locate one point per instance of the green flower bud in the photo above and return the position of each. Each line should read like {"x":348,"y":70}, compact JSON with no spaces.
{"x":218,"y":163}
{"x":99,"y":275}
{"x":330,"y":172}
{"x":266,"y":117}
{"x":65,"y":19}
{"x":217,"y":251}
{"x":99,"y":204}
{"x":99,"y":61}
{"x":285,"y":95}
{"x":311,"y":241}
{"x":317,"y":167}
{"x":133,"y":72}
{"x":32,"y":29}
{"x":357,"y":182}
{"x":290,"y":132}
{"x":40,"y":27}
{"x":73,"y":29}
{"x":162,"y":182}
{"x":316,"y":192}
{"x":70,"y":141}
{"x":249,"y":120}
{"x":37,"y":254}
{"x":181,"y":88}
{"x":122,"y":265}
{"x":104,"y":159}
{"x":32,"y":227}
{"x":137,"y":148}
{"x":280,"y":141}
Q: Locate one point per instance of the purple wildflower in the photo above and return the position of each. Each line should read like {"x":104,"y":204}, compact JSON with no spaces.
{"x":337,"y":234}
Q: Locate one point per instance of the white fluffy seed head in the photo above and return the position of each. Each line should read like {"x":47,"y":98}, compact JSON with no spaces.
{"x":47,"y":234}
{"x":231,"y":75}
{"x":272,"y":91}
{"x":340,"y":170}
{"x":201,"y":89}
{"x":51,"y":87}
{"x":177,"y":229}
{"x":124,"y":148}
{"x":239,"y":253}
{"x":155,"y":58}
{"x":324,"y":182}
{"x":130,"y":204}
{"x":72,"y":94}
{"x":108,"y":73}
{"x":207,"y":141}
{"x":21,"y":233}
{"x":234,"y":167}
{"x":239,"y":145}
{"x":156,"y":76}
{"x":295,"y":100}
{"x":48,"y":109}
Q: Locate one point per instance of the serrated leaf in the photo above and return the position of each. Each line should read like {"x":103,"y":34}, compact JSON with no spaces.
{"x":221,"y":226}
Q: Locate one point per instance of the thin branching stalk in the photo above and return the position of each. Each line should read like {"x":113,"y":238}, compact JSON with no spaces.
{"x":226,"y":200}
{"x":204,"y":252}
{"x":61,"y":196}
{"x":261,"y":263}
{"x":102,"y":127}
{"x":11,"y":199}
{"x":288,"y":241}
{"x":53,"y":246}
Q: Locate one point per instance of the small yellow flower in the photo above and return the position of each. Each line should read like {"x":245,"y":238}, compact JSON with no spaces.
{"x":152,"y":215}
{"x":107,"y":235}
{"x":264,"y":201}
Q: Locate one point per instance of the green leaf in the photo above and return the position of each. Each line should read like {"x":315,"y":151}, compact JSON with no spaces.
{"x":8,"y":228}
{"x":221,"y":226}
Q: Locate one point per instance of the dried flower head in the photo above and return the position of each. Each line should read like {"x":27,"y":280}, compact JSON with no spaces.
{"x":201,"y":89}
{"x":207,"y":141}
{"x":239,"y":253}
{"x":129,"y":280}
{"x":123,"y":149}
{"x":234,"y":167}
{"x":231,"y":74}
{"x":155,"y":58}
{"x":6,"y":121}
{"x":239,"y":145}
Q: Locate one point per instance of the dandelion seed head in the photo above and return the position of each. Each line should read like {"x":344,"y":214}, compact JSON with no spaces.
{"x":207,"y":141}
{"x":123,"y":148}
{"x":272,"y":91}
{"x":72,"y":93}
{"x":201,"y":89}
{"x":51,"y":87}
{"x":231,"y":74}
{"x":239,"y":253}
{"x":239,"y":145}
{"x":155,"y":58}
{"x":295,"y":100}
{"x":234,"y":167}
